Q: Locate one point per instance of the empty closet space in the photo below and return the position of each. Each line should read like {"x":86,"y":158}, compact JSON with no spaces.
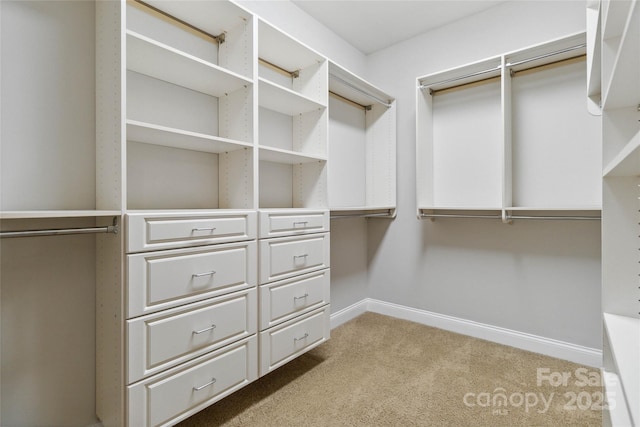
{"x":292,"y":83}
{"x":362,"y":146}
{"x":510,"y":134}
{"x":189,"y":115}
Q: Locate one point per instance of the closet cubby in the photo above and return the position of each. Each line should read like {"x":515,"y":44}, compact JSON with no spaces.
{"x":500,"y":135}
{"x":362,"y":146}
{"x":190,"y":107}
{"x":292,"y":124}
{"x":620,"y":93}
{"x":50,"y":155}
{"x":459,"y":122}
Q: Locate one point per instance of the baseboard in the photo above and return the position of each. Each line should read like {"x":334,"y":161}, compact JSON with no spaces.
{"x":537,"y":344}
{"x":348,"y":313}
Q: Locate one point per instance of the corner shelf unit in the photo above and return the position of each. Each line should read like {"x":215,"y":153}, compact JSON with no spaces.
{"x":619,"y":41}
{"x":509,"y":137}
{"x":362,"y":146}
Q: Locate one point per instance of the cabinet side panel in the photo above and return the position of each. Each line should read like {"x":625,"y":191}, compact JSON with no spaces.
{"x":381,"y":155}
{"x":110,"y":112}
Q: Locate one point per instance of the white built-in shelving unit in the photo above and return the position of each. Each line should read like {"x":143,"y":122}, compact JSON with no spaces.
{"x":189,"y":142}
{"x":498,"y":138}
{"x":616,"y":56}
{"x":362,"y":145}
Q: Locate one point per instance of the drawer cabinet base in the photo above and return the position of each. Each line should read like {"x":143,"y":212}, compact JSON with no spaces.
{"x":289,"y":340}
{"x":178,"y":393}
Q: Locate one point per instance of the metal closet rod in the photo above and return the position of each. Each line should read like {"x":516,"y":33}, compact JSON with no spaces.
{"x":219,"y":38}
{"x":372,"y":215}
{"x":385,"y":103}
{"x":293,"y":74}
{"x":510,"y":217}
{"x":115,"y":229}
{"x":493,"y":69}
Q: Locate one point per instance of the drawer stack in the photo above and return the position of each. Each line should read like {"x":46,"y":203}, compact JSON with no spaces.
{"x":294,"y":284}
{"x":191,"y":311}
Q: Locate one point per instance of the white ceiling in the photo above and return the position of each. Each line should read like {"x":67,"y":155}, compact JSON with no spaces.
{"x":371,"y":25}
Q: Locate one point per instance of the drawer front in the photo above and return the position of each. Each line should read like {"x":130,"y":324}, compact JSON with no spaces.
{"x":286,"y":299}
{"x":285,"y":257}
{"x":162,"y":340}
{"x":147,"y":232}
{"x":275,"y":224}
{"x":165,"y":279}
{"x":285,"y":342}
{"x":176,"y":394}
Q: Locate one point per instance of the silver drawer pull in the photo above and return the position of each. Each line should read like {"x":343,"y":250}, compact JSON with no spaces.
{"x":213,"y":380}
{"x":208,"y":273}
{"x":301,"y":338}
{"x":302,"y":297}
{"x":201,"y":331}
{"x":204,"y":229}
{"x":295,"y":257}
{"x":303,"y":223}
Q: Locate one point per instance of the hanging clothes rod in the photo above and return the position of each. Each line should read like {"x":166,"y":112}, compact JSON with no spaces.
{"x":385,"y":103}
{"x":62,"y":231}
{"x":293,"y":74}
{"x":218,"y":39}
{"x":546,"y":55}
{"x":455,"y":79}
{"x":494,"y":69}
{"x":510,"y":217}
{"x":372,"y":215}
{"x":347,"y":100}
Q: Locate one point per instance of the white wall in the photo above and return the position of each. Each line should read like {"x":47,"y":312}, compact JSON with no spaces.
{"x":537,"y":277}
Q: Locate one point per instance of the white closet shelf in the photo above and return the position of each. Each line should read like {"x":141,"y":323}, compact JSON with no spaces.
{"x":615,"y":12}
{"x":277,"y":155}
{"x":35,"y":214}
{"x":594,"y":53}
{"x":627,"y":162}
{"x":623,"y":87}
{"x":284,"y":51}
{"x":154,"y":59}
{"x":463,"y":75}
{"x":347,"y":85}
{"x":213,"y":17}
{"x":170,"y":137}
{"x":283,"y":100}
{"x":624,"y":340}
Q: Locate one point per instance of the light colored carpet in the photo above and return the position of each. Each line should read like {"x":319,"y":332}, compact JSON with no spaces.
{"x":381,"y":371}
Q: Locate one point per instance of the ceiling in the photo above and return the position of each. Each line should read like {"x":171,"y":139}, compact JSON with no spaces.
{"x":371,"y":25}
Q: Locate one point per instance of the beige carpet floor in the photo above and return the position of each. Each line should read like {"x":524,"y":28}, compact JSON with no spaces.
{"x":381,"y":371}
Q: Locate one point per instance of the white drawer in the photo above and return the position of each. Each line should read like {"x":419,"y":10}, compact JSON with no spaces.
{"x":172,"y":396}
{"x":285,"y":257}
{"x":161,"y":340}
{"x":289,"y":340}
{"x":275,"y":223}
{"x":286,"y":299}
{"x":152,"y":231}
{"x":165,"y":279}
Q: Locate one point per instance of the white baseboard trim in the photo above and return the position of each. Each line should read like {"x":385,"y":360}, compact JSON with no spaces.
{"x":534,"y":343}
{"x":348,"y":313}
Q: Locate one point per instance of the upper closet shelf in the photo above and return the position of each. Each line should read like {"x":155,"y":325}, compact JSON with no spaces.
{"x":347,"y":85}
{"x":283,"y":100}
{"x":213,"y":17}
{"x":169,"y":137}
{"x":154,"y":59}
{"x":460,"y":76}
{"x":280,"y":49}
{"x":594,"y":57}
{"x":277,"y":155}
{"x":623,"y":87}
